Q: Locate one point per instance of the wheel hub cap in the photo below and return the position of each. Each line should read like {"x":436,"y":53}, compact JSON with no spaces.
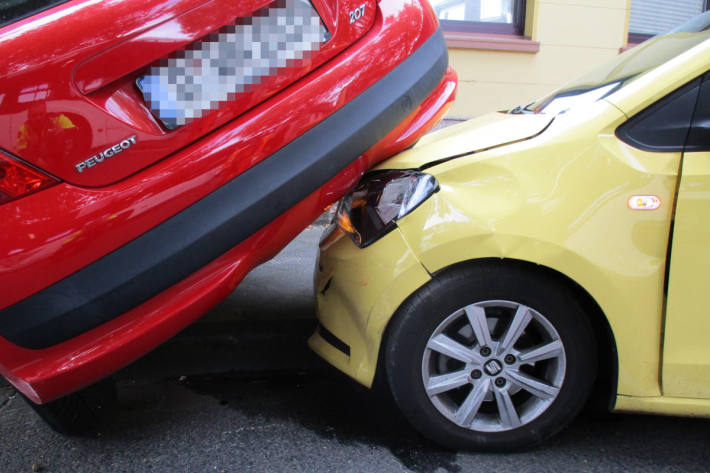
{"x":493,"y":367}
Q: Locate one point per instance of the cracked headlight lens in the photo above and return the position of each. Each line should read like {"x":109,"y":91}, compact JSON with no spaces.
{"x":372,"y":209}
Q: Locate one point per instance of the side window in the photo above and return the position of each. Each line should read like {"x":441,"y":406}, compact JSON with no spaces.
{"x":699,"y":136}
{"x":664,"y":126}
{"x":13,"y":10}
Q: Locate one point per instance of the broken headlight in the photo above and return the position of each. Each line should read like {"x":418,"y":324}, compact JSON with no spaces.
{"x":372,"y":209}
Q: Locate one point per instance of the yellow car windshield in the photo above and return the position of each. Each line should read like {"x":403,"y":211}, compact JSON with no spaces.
{"x":625,"y":68}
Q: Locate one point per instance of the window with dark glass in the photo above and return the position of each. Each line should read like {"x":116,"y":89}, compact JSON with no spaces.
{"x":13,"y":10}
{"x":481,"y":16}
{"x":663,"y":127}
{"x":653,"y":17}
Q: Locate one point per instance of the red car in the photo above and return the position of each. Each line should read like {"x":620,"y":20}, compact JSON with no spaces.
{"x":152,"y":152}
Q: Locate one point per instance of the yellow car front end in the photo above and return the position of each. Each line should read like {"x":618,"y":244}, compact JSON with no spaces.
{"x":570,"y":196}
{"x":358,"y":290}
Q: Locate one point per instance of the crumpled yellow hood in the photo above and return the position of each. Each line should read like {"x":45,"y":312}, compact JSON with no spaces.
{"x":485,"y":132}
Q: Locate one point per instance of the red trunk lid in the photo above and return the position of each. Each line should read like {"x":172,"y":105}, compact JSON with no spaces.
{"x":96,"y":91}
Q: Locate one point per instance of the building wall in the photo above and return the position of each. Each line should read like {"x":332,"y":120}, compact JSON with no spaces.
{"x":573,"y":35}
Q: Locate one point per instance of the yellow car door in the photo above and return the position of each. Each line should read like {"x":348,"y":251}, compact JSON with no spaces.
{"x":686,"y":347}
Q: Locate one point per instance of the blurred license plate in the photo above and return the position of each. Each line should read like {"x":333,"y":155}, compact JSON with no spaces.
{"x":217,"y":68}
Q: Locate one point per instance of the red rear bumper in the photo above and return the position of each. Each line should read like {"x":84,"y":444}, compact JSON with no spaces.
{"x":76,"y":226}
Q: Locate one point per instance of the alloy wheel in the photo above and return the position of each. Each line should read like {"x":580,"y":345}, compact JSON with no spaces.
{"x":493,"y":366}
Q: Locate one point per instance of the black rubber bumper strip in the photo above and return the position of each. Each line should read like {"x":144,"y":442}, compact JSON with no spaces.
{"x":170,"y":252}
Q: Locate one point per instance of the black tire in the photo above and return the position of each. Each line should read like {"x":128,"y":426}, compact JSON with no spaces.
{"x":77,"y":414}
{"x":434,"y":305}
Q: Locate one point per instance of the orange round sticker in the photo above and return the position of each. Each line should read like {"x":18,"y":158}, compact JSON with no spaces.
{"x":644,"y":202}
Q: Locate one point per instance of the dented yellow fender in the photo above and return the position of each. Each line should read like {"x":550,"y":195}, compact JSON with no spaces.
{"x":560,"y":201}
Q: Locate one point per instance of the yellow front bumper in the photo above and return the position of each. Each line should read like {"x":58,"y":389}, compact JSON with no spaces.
{"x":357,"y":292}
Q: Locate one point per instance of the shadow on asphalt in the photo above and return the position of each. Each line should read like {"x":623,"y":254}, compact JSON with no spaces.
{"x":265,"y":374}
{"x":309,"y":396}
{"x":334,"y":408}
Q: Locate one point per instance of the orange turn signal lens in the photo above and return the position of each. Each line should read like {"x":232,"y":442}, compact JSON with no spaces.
{"x":344,"y":222}
{"x":644,"y":202}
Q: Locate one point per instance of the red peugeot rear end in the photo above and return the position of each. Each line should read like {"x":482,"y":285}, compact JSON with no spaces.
{"x":152,"y":152}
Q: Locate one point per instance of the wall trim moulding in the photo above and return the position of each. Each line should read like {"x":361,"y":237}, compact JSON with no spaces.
{"x":490,"y":41}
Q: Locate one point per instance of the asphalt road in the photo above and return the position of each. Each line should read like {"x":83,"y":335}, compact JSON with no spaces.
{"x":239,"y":391}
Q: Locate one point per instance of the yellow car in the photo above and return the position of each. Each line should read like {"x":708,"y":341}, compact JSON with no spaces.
{"x":502,"y":269}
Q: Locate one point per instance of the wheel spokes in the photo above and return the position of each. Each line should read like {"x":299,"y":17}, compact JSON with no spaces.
{"x":517,"y":326}
{"x":485,"y":389}
{"x":468,"y":410}
{"x":543,"y":352}
{"x":451,"y":348}
{"x":447,"y":382}
{"x":477,"y":318}
{"x":534,"y":386}
{"x":506,"y":409}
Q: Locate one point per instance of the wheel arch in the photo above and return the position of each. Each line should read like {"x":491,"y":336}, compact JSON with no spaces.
{"x":603,"y":396}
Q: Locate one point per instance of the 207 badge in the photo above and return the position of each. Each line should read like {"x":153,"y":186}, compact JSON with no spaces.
{"x":356,"y":14}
